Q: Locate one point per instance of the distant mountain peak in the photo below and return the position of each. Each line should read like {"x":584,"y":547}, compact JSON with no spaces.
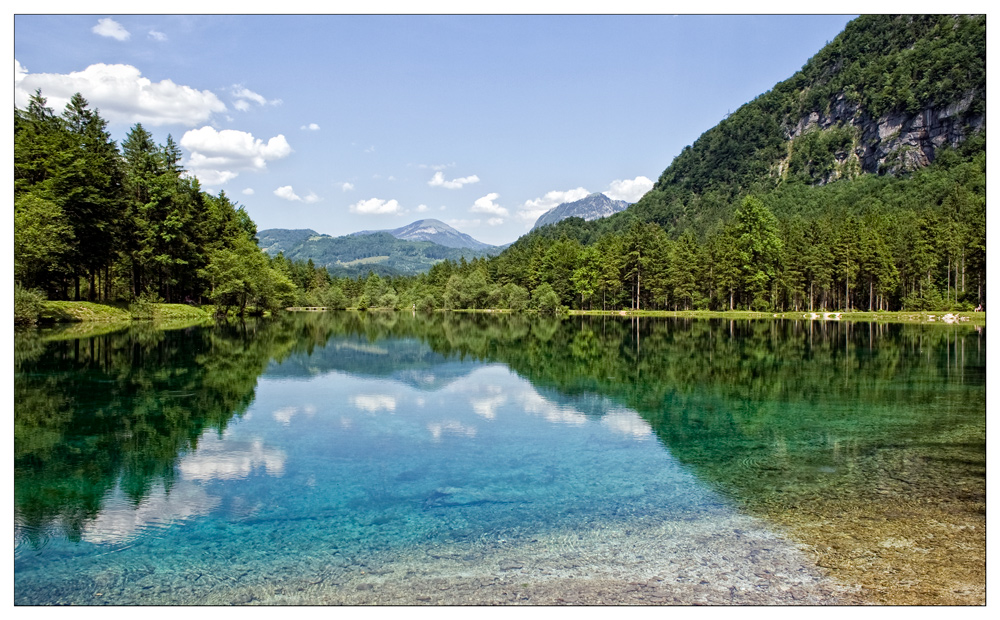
{"x":434,"y":231}
{"x":592,"y":207}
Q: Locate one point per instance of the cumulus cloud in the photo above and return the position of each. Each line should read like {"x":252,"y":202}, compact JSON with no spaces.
{"x":533,"y":209}
{"x":346,"y":186}
{"x":248,"y":191}
{"x":286,"y":192}
{"x":244,"y":96}
{"x":376,"y":206}
{"x":121,"y":93}
{"x":439,"y":181}
{"x":311,"y":127}
{"x":223,"y":154}
{"x":422,"y":208}
{"x":629,"y":190}
{"x":108,"y":27}
{"x":157,"y":36}
{"x":486,"y":204}
{"x":495,"y":221}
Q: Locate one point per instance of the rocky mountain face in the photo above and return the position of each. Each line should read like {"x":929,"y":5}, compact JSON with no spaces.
{"x":882,"y":98}
{"x":434,"y":231}
{"x":896,"y":142}
{"x":592,"y":207}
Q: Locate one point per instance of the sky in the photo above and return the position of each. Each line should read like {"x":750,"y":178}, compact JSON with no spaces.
{"x":342,"y":123}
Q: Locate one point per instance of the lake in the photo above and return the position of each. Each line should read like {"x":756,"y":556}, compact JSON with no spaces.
{"x":393,"y":458}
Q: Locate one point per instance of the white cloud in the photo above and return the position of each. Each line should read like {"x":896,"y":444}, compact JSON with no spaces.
{"x":222,"y":154}
{"x":629,"y":190}
{"x":108,"y":27}
{"x":248,"y":191}
{"x":463,"y":224}
{"x":286,"y":192}
{"x":421,"y":208}
{"x":495,"y":221}
{"x":311,"y":127}
{"x":346,"y":187}
{"x":370,"y":149}
{"x":210,"y":177}
{"x":376,"y":206}
{"x":244,"y":96}
{"x":438,"y":181}
{"x":486,"y":205}
{"x":157,"y":36}
{"x":121,"y":93}
{"x":533,"y":209}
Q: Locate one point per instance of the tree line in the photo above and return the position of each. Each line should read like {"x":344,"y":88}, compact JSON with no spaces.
{"x":96,"y":222}
{"x":816,"y":257}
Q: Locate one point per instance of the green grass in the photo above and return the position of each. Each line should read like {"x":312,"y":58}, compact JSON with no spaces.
{"x":965,"y":318}
{"x":174,"y":312}
{"x":87,"y":312}
{"x":80,"y":311}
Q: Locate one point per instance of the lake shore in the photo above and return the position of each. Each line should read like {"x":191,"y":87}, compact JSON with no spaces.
{"x":84,"y":312}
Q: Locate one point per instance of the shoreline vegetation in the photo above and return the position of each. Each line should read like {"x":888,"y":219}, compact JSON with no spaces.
{"x":59,"y":312}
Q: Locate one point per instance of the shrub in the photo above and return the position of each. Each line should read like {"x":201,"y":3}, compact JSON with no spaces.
{"x":28,"y":304}
{"x":142,"y":307}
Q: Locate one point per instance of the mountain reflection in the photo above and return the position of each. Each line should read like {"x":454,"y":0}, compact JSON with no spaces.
{"x":113,"y":428}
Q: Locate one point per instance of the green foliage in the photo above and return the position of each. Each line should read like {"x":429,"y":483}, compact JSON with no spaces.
{"x":545,"y":299}
{"x":143,"y":307}
{"x":43,"y":239}
{"x":28,"y":304}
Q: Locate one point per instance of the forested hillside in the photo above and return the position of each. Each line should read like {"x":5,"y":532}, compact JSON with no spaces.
{"x":381,"y":252}
{"x":858,"y":183}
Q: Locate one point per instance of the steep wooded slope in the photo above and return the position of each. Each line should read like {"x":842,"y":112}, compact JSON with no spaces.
{"x":883,"y":98}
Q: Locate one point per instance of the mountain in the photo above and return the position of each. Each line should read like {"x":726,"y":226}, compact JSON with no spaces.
{"x":590,"y":208}
{"x":357,"y":254}
{"x":882,"y":100}
{"x":434,"y":231}
{"x":275,"y":240}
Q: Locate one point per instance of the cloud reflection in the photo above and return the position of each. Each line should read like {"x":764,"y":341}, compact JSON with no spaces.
{"x":627,"y":422}
{"x":374,"y":402}
{"x":450,"y":427}
{"x":285,"y":414}
{"x":119,"y":520}
{"x":487,"y":407}
{"x":224,"y":459}
{"x":535,"y":403}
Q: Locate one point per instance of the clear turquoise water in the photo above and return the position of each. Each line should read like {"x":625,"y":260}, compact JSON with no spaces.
{"x":325,"y":460}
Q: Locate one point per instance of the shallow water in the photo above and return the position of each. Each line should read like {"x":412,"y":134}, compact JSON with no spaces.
{"x":394,"y":459}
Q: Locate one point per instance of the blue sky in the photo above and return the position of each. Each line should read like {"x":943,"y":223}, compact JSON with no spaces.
{"x":346,"y":123}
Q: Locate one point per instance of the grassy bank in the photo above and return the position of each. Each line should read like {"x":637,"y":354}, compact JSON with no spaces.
{"x":942,"y":317}
{"x":86,"y":311}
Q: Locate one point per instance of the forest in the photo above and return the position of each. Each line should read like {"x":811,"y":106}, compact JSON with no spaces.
{"x":753,"y":216}
{"x":97,"y":223}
